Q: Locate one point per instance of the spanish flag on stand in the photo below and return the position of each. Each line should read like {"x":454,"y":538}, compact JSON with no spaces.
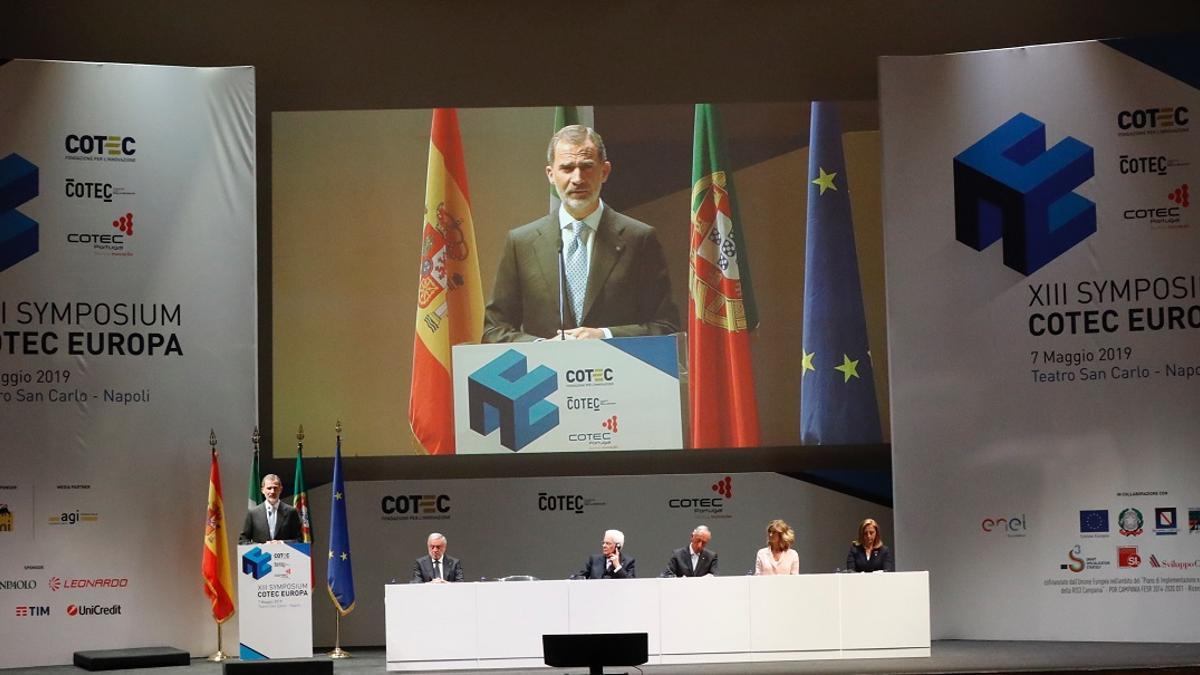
{"x":449,"y":295}
{"x":215,"y":563}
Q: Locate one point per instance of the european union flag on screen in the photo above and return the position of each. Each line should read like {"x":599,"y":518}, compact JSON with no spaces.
{"x":1094,"y":520}
{"x":340,"y":575}
{"x":837,"y":385}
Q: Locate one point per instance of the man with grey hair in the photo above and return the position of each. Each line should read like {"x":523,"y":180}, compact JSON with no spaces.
{"x":695,"y":559}
{"x":611,"y":563}
{"x":613,"y":281}
{"x":437,"y":567}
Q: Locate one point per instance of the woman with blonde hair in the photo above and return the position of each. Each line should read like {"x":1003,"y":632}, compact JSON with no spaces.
{"x":867,"y":553}
{"x":778,"y":556}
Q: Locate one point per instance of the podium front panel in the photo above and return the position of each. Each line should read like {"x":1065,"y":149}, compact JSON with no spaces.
{"x":275,"y":601}
{"x":567,"y":396}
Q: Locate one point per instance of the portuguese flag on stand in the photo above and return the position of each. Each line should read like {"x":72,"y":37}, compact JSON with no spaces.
{"x":721,"y":310}
{"x":449,"y":294}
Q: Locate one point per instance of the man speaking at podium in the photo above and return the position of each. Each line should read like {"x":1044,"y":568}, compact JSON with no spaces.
{"x":614,"y":277}
{"x":272,"y":520}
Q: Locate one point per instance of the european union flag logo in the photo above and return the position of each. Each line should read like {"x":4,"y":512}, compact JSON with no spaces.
{"x":1093,"y":521}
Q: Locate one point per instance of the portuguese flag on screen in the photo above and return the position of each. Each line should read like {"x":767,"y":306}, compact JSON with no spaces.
{"x":449,"y":293}
{"x":721,"y":310}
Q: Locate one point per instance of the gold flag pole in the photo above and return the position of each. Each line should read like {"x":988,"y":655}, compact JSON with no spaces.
{"x":218,"y":655}
{"x":338,"y":652}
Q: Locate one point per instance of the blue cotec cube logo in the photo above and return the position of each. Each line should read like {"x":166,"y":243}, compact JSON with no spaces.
{"x":1009,"y":186}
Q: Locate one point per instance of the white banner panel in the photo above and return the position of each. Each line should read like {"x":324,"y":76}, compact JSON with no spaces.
{"x":127,"y":331}
{"x":567,"y":396}
{"x":547,"y":527}
{"x":1044,"y":323}
{"x":274,"y":596}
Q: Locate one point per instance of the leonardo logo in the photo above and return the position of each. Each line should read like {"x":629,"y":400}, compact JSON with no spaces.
{"x":57,"y":584}
{"x":505,"y":394}
{"x":1009,"y":186}
{"x":18,"y":232}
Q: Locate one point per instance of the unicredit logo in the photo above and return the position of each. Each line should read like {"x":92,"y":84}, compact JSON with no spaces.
{"x":93,"y":610}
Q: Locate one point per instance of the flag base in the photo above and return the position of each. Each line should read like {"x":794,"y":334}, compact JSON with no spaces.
{"x":339,"y":653}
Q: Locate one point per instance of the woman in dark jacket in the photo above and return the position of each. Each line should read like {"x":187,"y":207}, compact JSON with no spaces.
{"x":867,"y":553}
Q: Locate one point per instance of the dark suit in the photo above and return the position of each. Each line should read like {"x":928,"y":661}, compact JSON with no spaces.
{"x":422,"y":570}
{"x":256,"y":531}
{"x":597,"y":568}
{"x":680,"y":564}
{"x":628,"y":289}
{"x":881,"y":559}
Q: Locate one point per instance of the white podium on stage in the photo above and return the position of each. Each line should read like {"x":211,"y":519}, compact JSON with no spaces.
{"x":275,"y":601}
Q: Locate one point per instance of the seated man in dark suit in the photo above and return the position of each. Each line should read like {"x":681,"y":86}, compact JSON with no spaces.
{"x":695,"y":559}
{"x":611,"y":563}
{"x":616,"y":282}
{"x":437,"y":567}
{"x":272,"y":520}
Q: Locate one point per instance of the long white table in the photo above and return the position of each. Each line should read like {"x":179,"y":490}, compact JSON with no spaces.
{"x":705,"y":620}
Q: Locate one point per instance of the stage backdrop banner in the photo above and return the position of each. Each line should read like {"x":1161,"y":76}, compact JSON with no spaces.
{"x":547,"y":528}
{"x":127,"y":332}
{"x":1044,"y":322}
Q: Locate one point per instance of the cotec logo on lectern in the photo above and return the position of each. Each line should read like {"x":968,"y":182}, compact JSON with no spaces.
{"x":505,"y":394}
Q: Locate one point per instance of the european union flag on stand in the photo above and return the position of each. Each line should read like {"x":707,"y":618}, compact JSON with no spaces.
{"x":340,"y":575}
{"x":837,"y":390}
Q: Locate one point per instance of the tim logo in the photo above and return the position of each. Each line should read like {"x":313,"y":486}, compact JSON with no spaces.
{"x":724,"y":487}
{"x":31,"y":610}
{"x":18,"y":233}
{"x":505,"y":394}
{"x":257,"y":563}
{"x":1009,"y":186}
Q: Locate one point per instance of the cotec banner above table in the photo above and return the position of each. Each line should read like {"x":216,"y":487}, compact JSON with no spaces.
{"x":1044,"y":319}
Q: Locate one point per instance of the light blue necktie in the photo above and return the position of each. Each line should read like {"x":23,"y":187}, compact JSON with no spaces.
{"x":577,"y":270}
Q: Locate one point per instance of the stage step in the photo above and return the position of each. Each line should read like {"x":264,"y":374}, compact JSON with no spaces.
{"x":137,"y":657}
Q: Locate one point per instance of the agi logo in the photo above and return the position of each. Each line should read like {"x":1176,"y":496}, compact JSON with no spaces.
{"x":1008,"y":185}
{"x":18,"y":233}
{"x":504,"y":394}
{"x":256,"y":563}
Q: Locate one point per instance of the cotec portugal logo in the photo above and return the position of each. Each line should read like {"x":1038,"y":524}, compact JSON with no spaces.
{"x":1009,"y":186}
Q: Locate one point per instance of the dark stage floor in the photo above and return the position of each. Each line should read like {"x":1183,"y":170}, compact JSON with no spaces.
{"x":948,"y":656}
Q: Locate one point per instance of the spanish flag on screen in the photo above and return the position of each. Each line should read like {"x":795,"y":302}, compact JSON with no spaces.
{"x":215,"y":562}
{"x":449,"y":292}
